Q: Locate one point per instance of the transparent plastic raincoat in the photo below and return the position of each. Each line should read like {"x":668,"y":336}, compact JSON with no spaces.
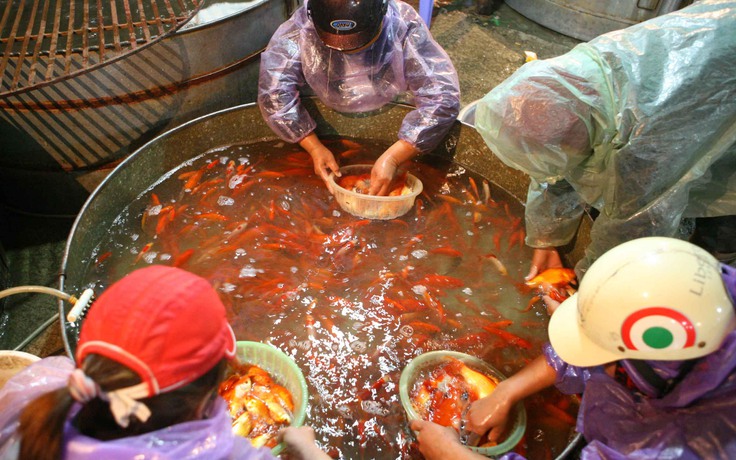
{"x":694,"y":420}
{"x":207,"y":439}
{"x":638,"y":123}
{"x":404,"y":58}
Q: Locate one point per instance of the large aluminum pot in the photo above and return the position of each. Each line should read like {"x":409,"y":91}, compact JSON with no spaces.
{"x":585,"y":20}
{"x":61,"y":138}
{"x":244,"y":124}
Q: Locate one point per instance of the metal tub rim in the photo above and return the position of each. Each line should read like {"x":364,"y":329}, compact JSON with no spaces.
{"x":462,"y":137}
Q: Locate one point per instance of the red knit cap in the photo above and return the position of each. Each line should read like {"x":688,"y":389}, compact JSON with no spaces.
{"x":166,"y":324}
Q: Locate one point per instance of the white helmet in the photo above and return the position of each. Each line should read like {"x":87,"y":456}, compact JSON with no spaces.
{"x":651,"y":298}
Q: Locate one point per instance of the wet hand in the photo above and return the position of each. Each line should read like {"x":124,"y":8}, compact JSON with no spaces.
{"x":489,"y":413}
{"x":437,"y":442}
{"x":551,"y":304}
{"x":386,"y":167}
{"x":300,"y":443}
{"x":542,"y":259}
{"x":382,"y":174}
{"x":324,"y":163}
{"x":293,"y":436}
{"x":322,"y":157}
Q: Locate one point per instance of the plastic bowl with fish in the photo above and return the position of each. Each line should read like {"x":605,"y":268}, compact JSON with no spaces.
{"x":265,"y":391}
{"x":350,"y":190}
{"x":440,"y":386}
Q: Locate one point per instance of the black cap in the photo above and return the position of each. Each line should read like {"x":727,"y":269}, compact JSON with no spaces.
{"x":347,"y":25}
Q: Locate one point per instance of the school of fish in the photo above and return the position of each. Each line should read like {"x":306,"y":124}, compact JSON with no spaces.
{"x":351,"y":300}
{"x":258,"y":405}
{"x":445,"y":393}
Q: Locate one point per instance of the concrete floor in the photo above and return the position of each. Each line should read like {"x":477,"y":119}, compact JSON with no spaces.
{"x":485,"y":48}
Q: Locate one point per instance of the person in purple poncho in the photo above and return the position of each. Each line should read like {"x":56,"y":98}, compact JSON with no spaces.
{"x":152,"y":352}
{"x":355,"y":57}
{"x":650,"y":342}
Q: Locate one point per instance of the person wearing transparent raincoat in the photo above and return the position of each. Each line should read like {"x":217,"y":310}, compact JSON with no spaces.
{"x":152,"y":352}
{"x":356,"y":57}
{"x":639,"y":124}
{"x":650,"y":342}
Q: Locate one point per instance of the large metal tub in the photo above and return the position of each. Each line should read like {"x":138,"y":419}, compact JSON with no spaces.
{"x":244,"y":124}
{"x":60,"y":138}
{"x":585,"y":19}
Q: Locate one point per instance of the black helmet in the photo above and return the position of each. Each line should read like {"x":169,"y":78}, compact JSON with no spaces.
{"x":347,"y":25}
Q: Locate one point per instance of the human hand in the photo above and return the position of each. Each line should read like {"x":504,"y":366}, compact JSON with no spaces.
{"x":437,"y":442}
{"x":382,"y":174}
{"x":322,"y":157}
{"x":324,"y":163}
{"x":490,"y":415}
{"x":300,"y":443}
{"x":542,"y":259}
{"x":551,"y":304}
{"x":385,"y":169}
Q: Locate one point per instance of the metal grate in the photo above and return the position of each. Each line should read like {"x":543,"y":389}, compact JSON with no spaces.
{"x":44,"y":40}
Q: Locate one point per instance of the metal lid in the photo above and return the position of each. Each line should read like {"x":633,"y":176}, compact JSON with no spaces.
{"x":47,"y":40}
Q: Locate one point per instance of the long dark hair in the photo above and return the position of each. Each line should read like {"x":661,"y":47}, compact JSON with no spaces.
{"x":42,"y":420}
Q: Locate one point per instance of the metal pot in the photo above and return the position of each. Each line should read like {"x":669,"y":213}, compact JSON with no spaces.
{"x":585,"y":20}
{"x":64,"y":130}
{"x":244,"y":124}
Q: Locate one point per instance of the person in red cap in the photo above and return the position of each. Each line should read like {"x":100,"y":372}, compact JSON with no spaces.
{"x":151,"y":354}
{"x":356,"y":57}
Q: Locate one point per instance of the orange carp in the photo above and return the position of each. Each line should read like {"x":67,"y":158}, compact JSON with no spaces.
{"x":258,"y":406}
{"x":445,"y":394}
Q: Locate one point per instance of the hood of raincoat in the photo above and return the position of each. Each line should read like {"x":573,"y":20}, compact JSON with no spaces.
{"x":405,"y":62}
{"x":541,"y":119}
{"x":665,"y":88}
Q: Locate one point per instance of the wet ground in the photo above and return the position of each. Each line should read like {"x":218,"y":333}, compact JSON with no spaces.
{"x":485,"y":39}
{"x":488,"y":48}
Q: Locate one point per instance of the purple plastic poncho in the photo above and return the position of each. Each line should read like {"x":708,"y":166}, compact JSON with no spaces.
{"x":207,"y":439}
{"x":695,"y":420}
{"x":638,"y":123}
{"x":404,"y":58}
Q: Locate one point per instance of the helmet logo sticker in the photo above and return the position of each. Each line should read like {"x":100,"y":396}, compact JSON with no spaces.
{"x":657,"y":328}
{"x":343,"y":25}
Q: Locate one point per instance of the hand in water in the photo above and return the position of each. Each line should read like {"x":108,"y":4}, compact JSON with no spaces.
{"x":542,"y":259}
{"x":386,"y":167}
{"x":382,"y":175}
{"x":489,"y":413}
{"x":322,"y":157}
{"x":437,"y":442}
{"x":300,"y":443}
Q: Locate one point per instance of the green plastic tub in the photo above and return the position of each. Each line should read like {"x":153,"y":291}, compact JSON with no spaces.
{"x":284,"y":371}
{"x":432,"y":359}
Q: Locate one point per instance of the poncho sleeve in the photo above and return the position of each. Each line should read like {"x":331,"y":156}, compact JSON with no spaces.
{"x":640,"y":123}
{"x":433,"y":82}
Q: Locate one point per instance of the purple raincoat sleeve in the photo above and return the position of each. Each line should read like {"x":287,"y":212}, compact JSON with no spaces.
{"x":433,"y":81}
{"x":404,"y":59}
{"x":281,"y":80}
{"x":693,"y":421}
{"x":570,"y":379}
